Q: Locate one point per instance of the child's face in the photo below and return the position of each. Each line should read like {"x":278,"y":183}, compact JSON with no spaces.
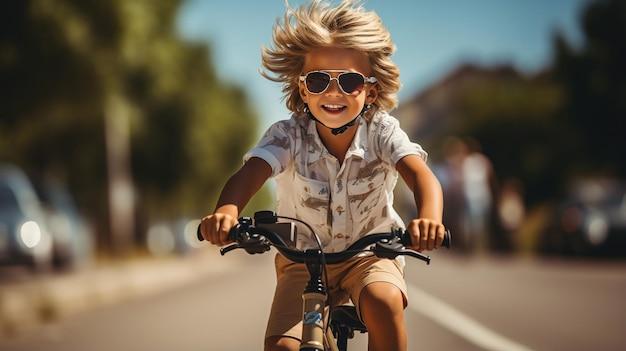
{"x":333,"y":107}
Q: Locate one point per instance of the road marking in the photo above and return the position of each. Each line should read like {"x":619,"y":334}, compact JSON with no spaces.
{"x":459,"y":323}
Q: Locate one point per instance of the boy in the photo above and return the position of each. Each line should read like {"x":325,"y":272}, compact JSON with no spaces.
{"x":335,"y":163}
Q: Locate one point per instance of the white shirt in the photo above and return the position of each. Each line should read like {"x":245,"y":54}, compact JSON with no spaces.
{"x":342,"y":202}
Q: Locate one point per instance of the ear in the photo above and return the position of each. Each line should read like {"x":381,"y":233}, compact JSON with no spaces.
{"x":303,"y":93}
{"x":372,"y":94}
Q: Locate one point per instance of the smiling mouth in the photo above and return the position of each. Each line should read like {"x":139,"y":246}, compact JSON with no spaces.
{"x":333,"y":108}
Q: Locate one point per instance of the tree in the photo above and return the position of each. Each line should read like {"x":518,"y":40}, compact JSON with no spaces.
{"x":61,"y":63}
{"x":594,"y":80}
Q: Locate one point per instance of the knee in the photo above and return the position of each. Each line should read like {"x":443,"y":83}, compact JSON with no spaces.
{"x":280,"y":343}
{"x":379,"y":299}
{"x":382,"y":311}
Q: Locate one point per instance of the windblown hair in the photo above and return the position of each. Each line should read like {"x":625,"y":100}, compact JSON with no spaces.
{"x":317,"y":25}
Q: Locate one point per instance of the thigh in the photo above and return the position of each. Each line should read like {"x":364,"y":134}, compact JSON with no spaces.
{"x":286,"y":313}
{"x":371,"y":269}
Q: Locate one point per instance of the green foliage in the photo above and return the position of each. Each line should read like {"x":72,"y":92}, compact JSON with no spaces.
{"x":61,"y":63}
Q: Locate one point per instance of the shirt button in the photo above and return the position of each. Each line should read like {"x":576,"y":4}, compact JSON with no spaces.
{"x":340,"y":209}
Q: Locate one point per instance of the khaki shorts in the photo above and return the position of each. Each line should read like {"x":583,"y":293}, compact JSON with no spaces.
{"x":345,"y":280}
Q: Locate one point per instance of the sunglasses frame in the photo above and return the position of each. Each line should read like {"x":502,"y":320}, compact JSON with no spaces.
{"x":371,"y":80}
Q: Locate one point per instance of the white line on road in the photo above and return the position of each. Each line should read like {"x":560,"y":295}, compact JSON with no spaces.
{"x":459,"y":323}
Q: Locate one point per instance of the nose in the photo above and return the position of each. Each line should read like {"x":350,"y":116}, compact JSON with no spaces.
{"x":333,"y":87}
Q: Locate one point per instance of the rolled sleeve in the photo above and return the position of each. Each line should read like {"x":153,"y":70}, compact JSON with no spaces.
{"x":267,"y":156}
{"x":395,"y":144}
{"x":275,"y":147}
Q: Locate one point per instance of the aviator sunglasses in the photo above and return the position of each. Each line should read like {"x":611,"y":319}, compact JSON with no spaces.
{"x":317,"y":82}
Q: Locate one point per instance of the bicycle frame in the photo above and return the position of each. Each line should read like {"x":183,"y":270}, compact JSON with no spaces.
{"x":314,"y":304}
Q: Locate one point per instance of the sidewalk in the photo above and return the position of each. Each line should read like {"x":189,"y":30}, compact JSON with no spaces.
{"x":42,"y":299}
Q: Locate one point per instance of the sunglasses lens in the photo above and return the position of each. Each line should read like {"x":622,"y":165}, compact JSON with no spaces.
{"x":316,"y":82}
{"x":351,"y":82}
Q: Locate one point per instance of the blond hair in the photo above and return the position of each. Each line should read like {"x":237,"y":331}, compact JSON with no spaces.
{"x":316,"y":25}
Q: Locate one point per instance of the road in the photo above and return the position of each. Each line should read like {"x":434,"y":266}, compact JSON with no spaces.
{"x":456,"y":304}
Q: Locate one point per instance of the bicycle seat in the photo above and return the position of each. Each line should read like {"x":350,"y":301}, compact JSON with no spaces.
{"x":346,"y":315}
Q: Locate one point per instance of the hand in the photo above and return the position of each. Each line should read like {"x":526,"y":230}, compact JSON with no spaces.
{"x":215,"y":228}
{"x":426,"y":234}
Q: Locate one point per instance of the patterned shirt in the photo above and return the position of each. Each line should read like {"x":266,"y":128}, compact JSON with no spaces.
{"x":342,"y":202}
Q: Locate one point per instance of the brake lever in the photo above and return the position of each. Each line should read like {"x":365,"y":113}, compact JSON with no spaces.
{"x":412,"y":253}
{"x":388,"y":248}
{"x":226,"y":249}
{"x":392,"y":248}
{"x":253,"y":244}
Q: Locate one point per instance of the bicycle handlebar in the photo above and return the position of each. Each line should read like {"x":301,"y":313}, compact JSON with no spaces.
{"x":256,"y":239}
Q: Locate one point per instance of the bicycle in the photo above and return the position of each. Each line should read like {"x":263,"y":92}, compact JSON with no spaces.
{"x":321,"y":330}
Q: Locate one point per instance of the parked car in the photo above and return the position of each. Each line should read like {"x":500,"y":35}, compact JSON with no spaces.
{"x":173,"y":237}
{"x":73,"y":239}
{"x":24,"y":235}
{"x":590,"y":221}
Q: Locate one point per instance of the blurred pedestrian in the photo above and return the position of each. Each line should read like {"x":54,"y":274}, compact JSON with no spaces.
{"x":450,"y":174}
{"x":479,"y":188}
{"x":511,"y":211}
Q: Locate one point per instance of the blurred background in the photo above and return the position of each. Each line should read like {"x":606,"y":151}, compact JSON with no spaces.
{"x":120,"y":121}
{"x":135,"y":113}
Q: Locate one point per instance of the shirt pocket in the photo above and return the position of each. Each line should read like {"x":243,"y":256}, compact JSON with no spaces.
{"x":311,"y":205}
{"x":365,"y":197}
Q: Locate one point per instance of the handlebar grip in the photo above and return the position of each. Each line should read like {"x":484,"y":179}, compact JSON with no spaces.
{"x":199,"y":233}
{"x":447,"y":239}
{"x":232,"y":235}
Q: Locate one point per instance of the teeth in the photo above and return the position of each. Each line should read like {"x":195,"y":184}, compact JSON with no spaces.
{"x":333,"y":107}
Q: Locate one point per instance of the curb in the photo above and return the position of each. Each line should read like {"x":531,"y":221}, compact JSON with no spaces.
{"x":48,"y":298}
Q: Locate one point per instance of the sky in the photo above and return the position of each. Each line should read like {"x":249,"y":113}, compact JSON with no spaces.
{"x":433,"y":37}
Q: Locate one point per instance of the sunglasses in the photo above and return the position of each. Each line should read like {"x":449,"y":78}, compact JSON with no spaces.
{"x":317,"y":82}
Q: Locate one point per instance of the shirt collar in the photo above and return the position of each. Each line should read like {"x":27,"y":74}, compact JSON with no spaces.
{"x":317,"y":150}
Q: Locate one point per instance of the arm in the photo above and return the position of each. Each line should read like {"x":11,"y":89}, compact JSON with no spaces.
{"x":238,"y":190}
{"x":426,"y":231}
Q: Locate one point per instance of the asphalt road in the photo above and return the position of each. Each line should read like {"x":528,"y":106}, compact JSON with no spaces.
{"x":456,"y":304}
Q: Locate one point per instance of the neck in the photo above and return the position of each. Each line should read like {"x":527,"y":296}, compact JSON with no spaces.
{"x":341,"y":129}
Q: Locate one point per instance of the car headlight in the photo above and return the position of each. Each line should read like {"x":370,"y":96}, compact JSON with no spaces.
{"x":30,"y":234}
{"x":597,"y":230}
